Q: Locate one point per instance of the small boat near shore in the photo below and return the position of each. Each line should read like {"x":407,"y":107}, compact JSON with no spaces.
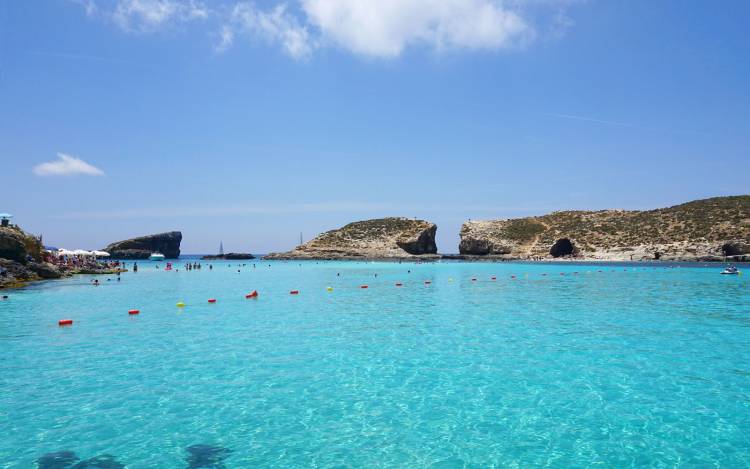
{"x":731,"y":270}
{"x":156,"y":256}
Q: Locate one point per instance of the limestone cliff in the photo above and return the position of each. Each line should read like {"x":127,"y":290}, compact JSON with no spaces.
{"x":381,"y":238}
{"x":142,"y":247}
{"x":708,"y":229}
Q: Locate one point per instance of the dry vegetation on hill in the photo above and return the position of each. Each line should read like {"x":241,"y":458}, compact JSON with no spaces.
{"x":694,"y":229}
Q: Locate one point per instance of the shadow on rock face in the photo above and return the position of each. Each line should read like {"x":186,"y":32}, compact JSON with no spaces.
{"x":57,"y":460}
{"x":206,"y":456}
{"x":68,"y":460}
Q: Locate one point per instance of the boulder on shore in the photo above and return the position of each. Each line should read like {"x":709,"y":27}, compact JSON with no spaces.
{"x":142,"y":246}
{"x":382,"y":238}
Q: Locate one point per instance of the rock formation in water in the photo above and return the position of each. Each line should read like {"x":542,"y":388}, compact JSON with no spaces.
{"x":704,"y":230}
{"x":382,"y":238}
{"x":230,"y":256}
{"x":21,"y":258}
{"x":142,"y":247}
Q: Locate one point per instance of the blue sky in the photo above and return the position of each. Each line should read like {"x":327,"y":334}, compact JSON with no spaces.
{"x":250,"y":122}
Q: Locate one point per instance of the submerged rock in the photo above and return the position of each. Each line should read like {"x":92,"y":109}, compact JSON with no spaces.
{"x":206,"y":456}
{"x":142,"y":246}
{"x":382,"y":238}
{"x":708,"y":229}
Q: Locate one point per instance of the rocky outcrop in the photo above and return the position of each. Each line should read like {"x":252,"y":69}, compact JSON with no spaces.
{"x":21,"y":258}
{"x":230,"y":256}
{"x":17,"y":245}
{"x":704,"y":230}
{"x":142,"y":247}
{"x":382,"y":238}
{"x":16,"y":274}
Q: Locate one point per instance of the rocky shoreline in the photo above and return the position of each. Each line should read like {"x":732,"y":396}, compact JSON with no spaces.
{"x":22,"y":260}
{"x":709,"y":230}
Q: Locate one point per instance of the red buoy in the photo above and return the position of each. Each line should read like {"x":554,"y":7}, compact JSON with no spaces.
{"x":294,"y":292}
{"x":493,"y":278}
{"x":65,"y":322}
{"x":134,"y":311}
{"x":363,"y":286}
{"x":399,"y":284}
{"x":253,"y":294}
{"x":212,"y":300}
{"x":512,"y":276}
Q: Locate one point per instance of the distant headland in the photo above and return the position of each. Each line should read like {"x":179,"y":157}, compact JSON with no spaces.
{"x":702,"y":230}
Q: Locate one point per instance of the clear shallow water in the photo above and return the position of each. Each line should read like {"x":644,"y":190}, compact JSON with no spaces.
{"x":644,"y":367}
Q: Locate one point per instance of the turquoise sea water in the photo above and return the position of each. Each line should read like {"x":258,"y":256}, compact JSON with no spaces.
{"x":614,"y":366}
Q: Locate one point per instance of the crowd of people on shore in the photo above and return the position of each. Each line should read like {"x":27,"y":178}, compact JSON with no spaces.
{"x":72,"y":262}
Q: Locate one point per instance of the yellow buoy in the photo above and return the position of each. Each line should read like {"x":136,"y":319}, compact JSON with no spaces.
{"x":329,"y":288}
{"x":180,"y":304}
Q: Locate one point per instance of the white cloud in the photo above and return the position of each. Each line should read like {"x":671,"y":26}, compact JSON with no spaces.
{"x":66,"y":165}
{"x":275,"y":25}
{"x":151,"y":15}
{"x":373,"y":28}
{"x":384,"y":28}
{"x":226,"y":38}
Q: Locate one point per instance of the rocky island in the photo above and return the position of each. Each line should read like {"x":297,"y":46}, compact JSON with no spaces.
{"x":382,"y":238}
{"x":702,"y":230}
{"x":230,"y":256}
{"x":142,"y":246}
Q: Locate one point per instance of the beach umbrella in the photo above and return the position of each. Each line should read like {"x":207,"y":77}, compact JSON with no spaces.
{"x":101,"y":253}
{"x":64,"y":252}
{"x":6,"y":215}
{"x":81,"y":252}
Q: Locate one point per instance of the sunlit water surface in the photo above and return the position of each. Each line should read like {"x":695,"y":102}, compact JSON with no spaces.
{"x":614,"y":365}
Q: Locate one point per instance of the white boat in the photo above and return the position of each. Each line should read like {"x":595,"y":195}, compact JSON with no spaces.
{"x":731,"y":270}
{"x":156,"y":256}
